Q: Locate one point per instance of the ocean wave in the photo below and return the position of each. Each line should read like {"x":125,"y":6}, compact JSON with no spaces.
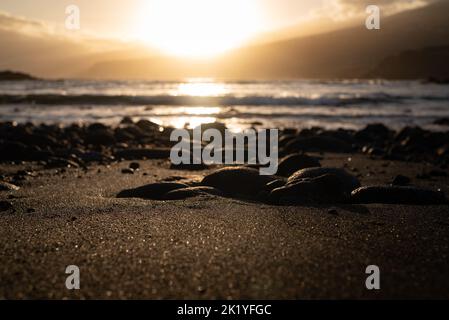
{"x":185,"y":100}
{"x":52,"y":99}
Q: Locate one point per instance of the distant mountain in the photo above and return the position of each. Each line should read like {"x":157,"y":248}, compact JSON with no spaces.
{"x":15,"y":76}
{"x":428,"y":63}
{"x":348,"y":53}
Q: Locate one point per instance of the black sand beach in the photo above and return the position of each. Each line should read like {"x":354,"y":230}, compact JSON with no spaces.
{"x":229,"y":247}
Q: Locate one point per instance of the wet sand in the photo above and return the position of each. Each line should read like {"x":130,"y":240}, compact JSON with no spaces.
{"x":214,"y":247}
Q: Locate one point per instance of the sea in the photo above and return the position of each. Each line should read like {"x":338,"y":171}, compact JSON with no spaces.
{"x":335,"y":104}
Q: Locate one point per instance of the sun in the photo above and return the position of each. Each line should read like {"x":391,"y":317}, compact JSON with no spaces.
{"x":197,"y":28}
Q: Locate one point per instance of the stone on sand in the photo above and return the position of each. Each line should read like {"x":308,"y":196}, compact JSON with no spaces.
{"x":400,"y":180}
{"x":237,"y":181}
{"x":294,"y":162}
{"x":5,"y":206}
{"x":154,"y":191}
{"x":184,"y":193}
{"x":134,"y":165}
{"x":348,"y":182}
{"x":327,"y":188}
{"x":397,"y":195}
{"x":5,"y":186}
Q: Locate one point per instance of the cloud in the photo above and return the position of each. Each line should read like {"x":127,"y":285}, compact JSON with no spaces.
{"x":48,"y":50}
{"x":9,"y":22}
{"x":347,"y":9}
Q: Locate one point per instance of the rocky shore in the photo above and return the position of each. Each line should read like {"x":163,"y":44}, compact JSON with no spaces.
{"x":300,"y":179}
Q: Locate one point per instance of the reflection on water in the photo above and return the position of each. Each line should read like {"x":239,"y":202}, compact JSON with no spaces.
{"x":199,"y":111}
{"x":183,"y":121}
{"x":200,"y":88}
{"x":187,"y":117}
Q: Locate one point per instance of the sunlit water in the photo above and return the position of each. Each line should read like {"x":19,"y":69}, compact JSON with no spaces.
{"x":330,"y":104}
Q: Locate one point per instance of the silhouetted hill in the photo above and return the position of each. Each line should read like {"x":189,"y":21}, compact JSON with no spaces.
{"x":427,"y":63}
{"x":15,"y":76}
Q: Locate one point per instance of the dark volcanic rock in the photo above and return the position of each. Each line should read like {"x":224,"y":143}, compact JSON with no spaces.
{"x":400,"y":180}
{"x":154,"y":191}
{"x":185,"y":193}
{"x":134,"y":165}
{"x":397,"y":195}
{"x":5,"y":186}
{"x":126,"y":120}
{"x":294,"y":162}
{"x":237,"y":181}
{"x":374,"y":132}
{"x":147,"y":126}
{"x":327,"y":188}
{"x":348,"y":182}
{"x":100,"y":137}
{"x":53,"y":163}
{"x":442,"y":122}
{"x":5,"y":206}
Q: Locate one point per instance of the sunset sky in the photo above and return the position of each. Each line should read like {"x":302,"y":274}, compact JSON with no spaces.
{"x":34,"y":38}
{"x":118,"y":17}
{"x":195,"y":27}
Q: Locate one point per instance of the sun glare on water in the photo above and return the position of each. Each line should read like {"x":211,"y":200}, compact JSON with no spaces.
{"x":198,"y":88}
{"x":197,"y":28}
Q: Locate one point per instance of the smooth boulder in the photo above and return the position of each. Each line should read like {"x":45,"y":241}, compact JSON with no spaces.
{"x":348,"y":182}
{"x":237,"y":181}
{"x":294,"y":162}
{"x":326,"y":188}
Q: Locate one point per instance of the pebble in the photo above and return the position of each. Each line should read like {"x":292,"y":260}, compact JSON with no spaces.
{"x":5,"y":186}
{"x":53,"y":163}
{"x":147,"y":125}
{"x":442,"y":122}
{"x":348,"y":182}
{"x":327,"y":188}
{"x":401,"y":180}
{"x":127,"y":171}
{"x":397,"y":195}
{"x":134,"y":165}
{"x":155,"y":191}
{"x":294,"y":162}
{"x":241,"y":181}
{"x":127,"y":120}
{"x":5,"y":206}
